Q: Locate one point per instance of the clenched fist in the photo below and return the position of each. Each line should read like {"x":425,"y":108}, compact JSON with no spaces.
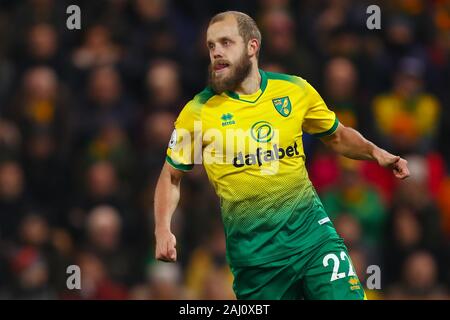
{"x":399,"y":166}
{"x":165,"y":246}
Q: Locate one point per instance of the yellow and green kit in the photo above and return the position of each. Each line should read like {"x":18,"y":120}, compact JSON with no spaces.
{"x":251,"y":148}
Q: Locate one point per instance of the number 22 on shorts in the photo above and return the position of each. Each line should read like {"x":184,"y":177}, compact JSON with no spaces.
{"x":336,"y":274}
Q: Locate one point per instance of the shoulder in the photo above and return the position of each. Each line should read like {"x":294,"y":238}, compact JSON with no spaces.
{"x":292,"y":79}
{"x":202,"y":97}
{"x":195,"y":105}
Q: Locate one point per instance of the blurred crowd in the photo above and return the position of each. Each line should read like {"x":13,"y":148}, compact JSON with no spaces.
{"x":86,"y":115}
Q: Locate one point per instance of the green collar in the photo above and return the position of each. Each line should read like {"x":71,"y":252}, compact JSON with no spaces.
{"x":252,"y":98}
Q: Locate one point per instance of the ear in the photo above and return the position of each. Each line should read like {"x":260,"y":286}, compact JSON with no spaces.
{"x":252,"y":47}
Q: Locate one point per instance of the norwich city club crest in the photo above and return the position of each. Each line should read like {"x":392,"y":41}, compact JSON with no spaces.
{"x":283,"y":106}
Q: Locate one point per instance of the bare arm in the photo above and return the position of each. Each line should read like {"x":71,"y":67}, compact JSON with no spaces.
{"x":351,"y":144}
{"x":167,"y":195}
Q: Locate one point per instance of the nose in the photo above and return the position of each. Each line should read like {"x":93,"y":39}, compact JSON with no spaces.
{"x":217,"y":53}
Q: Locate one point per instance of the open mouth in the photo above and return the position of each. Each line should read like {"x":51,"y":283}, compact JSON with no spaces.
{"x":221,"y":66}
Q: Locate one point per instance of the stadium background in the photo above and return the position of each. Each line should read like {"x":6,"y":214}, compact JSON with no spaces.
{"x":85,"y":117}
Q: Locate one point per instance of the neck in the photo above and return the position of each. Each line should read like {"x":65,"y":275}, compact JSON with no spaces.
{"x":252,"y":83}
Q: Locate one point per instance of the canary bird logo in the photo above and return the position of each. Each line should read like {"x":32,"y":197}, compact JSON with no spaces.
{"x":283,"y":106}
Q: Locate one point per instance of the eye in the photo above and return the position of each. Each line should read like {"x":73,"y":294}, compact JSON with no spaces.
{"x":226,"y":43}
{"x":210,"y":46}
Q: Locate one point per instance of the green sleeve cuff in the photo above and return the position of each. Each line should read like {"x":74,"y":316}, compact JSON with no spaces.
{"x":179,"y":166}
{"x":328,"y":132}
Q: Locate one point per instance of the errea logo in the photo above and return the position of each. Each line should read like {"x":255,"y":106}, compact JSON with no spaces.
{"x":227,"y":119}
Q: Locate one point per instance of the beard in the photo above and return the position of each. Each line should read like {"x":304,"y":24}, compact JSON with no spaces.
{"x":237,"y":74}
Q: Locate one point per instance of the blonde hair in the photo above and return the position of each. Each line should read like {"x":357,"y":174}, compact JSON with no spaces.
{"x":247,"y":27}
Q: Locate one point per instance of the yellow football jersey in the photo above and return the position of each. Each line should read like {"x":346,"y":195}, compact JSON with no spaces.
{"x":251,"y":148}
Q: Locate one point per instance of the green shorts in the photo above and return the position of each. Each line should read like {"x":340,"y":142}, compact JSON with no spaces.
{"x":322,"y":272}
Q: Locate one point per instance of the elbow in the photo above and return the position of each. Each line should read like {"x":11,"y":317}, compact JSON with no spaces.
{"x":335,"y":141}
{"x":174,"y":175}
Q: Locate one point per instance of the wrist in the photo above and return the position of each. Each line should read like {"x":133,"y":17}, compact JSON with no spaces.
{"x":376,"y":154}
{"x":162,"y":230}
